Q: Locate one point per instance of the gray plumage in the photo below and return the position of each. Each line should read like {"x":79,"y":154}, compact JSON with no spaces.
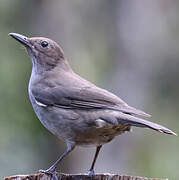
{"x":72,"y":108}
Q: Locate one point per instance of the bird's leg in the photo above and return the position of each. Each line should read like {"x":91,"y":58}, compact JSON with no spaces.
{"x":91,"y":171}
{"x":51,"y":170}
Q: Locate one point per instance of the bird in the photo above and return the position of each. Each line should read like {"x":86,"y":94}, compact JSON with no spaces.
{"x":72,"y":108}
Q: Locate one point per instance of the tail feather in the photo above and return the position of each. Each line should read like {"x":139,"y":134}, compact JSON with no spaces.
{"x":131,"y":110}
{"x":138,"y":122}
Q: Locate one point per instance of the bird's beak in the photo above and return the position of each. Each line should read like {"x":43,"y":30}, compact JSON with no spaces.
{"x":22,"y":39}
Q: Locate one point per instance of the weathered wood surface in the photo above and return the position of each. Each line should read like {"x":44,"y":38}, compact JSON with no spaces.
{"x":78,"y":177}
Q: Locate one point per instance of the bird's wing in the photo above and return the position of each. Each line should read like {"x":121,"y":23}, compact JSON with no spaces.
{"x":83,"y":98}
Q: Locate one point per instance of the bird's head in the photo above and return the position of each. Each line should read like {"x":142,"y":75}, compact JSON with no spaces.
{"x":44,"y":52}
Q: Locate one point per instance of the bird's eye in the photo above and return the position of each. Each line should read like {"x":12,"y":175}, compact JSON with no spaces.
{"x":44,"y":43}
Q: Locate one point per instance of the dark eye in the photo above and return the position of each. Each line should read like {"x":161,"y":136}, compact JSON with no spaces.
{"x":44,"y":43}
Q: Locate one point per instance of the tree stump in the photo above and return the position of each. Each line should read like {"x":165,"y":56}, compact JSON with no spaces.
{"x":78,"y":177}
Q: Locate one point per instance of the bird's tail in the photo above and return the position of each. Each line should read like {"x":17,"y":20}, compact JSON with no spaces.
{"x":138,"y":122}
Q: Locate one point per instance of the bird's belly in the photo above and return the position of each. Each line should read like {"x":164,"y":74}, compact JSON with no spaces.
{"x":76,"y":130}
{"x":56,"y":122}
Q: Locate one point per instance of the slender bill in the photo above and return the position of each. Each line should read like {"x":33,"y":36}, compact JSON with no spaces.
{"x":22,"y":39}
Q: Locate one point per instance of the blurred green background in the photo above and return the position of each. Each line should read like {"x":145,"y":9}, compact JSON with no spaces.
{"x":128,"y":47}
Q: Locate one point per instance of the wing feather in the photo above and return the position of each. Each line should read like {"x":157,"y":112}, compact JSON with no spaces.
{"x":83,"y":98}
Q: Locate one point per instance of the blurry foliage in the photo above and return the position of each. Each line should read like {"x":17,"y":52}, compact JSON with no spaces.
{"x":128,"y":47}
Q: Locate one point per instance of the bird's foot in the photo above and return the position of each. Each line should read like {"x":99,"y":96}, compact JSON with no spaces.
{"x":91,"y":172}
{"x":50,"y":171}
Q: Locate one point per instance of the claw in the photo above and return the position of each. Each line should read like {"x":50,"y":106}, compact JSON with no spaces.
{"x":54,"y":176}
{"x":49,"y":172}
{"x":91,"y":172}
